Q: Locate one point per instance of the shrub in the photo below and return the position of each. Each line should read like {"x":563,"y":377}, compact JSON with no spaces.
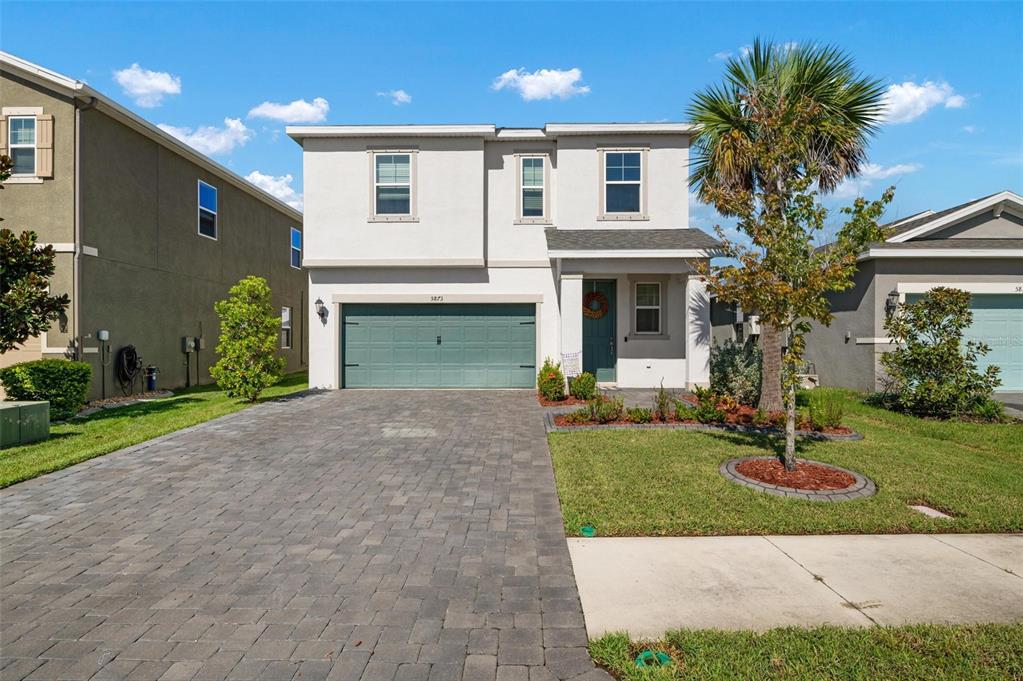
{"x":824,"y":410}
{"x":583,"y":386}
{"x":662,"y":402}
{"x":760,"y":418}
{"x":735,"y":370}
{"x":581,"y":415}
{"x":604,"y":409}
{"x":61,"y":382}
{"x":989,"y":410}
{"x":684,"y":411}
{"x":249,"y":328}
{"x":931,"y":371}
{"x":639,"y":415}
{"x":550,"y":381}
{"x":707,"y":410}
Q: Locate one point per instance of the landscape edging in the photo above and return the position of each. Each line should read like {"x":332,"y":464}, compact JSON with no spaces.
{"x":862,"y":488}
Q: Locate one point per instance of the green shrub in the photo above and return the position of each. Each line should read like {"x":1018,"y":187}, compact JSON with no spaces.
{"x":735,"y":370}
{"x":931,"y":371}
{"x":684,"y":411}
{"x":989,"y":410}
{"x":662,"y":403}
{"x":760,"y":418}
{"x":707,"y":410}
{"x":604,"y":409}
{"x":824,"y":410}
{"x":248,"y":362}
{"x":550,"y":381}
{"x":581,"y":415}
{"x":639,"y":415}
{"x":583,"y":386}
{"x":61,"y":382}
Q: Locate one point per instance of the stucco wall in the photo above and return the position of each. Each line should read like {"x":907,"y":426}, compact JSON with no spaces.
{"x":508,"y":242}
{"x":155,"y":279}
{"x":985,"y":226}
{"x":45,"y":207}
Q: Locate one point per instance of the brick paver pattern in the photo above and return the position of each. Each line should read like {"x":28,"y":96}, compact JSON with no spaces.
{"x":373,"y":535}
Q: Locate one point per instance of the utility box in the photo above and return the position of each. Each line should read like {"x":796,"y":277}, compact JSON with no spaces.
{"x":23,"y":422}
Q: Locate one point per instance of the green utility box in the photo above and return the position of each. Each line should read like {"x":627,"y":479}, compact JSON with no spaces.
{"x":23,"y":422}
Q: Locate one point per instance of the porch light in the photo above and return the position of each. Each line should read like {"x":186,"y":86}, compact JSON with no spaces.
{"x":891,"y":303}
{"x":321,"y":310}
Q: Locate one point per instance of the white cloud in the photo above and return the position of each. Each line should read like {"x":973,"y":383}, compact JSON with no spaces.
{"x":212,"y":140}
{"x":279,"y":186}
{"x":969,"y":129}
{"x":542,"y":83}
{"x":905,"y":102}
{"x":398,"y":97}
{"x":298,"y":111}
{"x":147,"y":88}
{"x":722,"y":56}
{"x":871,"y":173}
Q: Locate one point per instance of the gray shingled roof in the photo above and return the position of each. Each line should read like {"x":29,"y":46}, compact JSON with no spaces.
{"x":924,"y":219}
{"x":952,"y":243}
{"x":629,"y":239}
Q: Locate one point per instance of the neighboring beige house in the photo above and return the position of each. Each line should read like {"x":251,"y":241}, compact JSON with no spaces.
{"x":148,"y":232}
{"x":463,"y":255}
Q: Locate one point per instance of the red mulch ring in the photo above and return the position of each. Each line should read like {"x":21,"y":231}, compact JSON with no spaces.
{"x":809,"y":476}
{"x":569,"y":401}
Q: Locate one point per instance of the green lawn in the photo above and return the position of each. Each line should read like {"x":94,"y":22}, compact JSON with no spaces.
{"x":112,"y":429}
{"x":665,"y":482}
{"x":922,"y":652}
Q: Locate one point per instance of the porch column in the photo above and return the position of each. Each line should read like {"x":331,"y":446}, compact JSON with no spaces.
{"x":698,"y":332}
{"x":571,"y":323}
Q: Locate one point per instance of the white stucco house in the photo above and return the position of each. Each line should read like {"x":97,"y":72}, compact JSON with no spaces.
{"x":463,"y":255}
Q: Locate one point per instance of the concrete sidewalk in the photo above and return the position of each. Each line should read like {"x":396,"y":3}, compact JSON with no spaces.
{"x":647,"y":585}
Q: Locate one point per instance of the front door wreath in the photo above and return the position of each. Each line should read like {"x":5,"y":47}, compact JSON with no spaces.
{"x":595,"y":305}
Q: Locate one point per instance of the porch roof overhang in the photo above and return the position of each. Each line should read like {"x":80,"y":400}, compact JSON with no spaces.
{"x":631,"y":243}
{"x":946,"y":248}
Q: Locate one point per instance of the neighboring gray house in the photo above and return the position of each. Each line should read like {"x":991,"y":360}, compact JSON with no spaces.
{"x":976,"y":246}
{"x":148,"y":232}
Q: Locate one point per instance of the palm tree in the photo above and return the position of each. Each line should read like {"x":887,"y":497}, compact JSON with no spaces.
{"x":847,"y":109}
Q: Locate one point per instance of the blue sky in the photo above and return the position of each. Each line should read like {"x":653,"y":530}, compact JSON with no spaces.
{"x":956,"y":69}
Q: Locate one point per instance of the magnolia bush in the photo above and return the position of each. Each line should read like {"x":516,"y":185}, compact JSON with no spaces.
{"x":249,"y":328}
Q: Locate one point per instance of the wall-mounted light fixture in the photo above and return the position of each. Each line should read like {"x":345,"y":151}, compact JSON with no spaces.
{"x":321,"y":310}
{"x":891,"y":303}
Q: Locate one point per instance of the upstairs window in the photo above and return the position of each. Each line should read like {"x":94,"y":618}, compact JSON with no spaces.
{"x":393,"y":184}
{"x":296,"y":248}
{"x":622,"y":181}
{"x":648,"y":307}
{"x":22,"y":144}
{"x":533,"y":187}
{"x":285,"y":328}
{"x":207,"y":210}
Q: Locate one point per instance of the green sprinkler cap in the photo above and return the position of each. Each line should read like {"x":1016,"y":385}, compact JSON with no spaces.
{"x":649,"y":658}
{"x":588,"y":531}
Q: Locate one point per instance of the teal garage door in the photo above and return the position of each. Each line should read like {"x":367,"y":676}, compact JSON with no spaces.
{"x":438,"y":345}
{"x":998,"y":323}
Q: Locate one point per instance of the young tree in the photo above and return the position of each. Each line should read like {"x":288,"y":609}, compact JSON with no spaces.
{"x":930,"y":371}
{"x":840,"y":110}
{"x":249,"y":330}
{"x":781,"y":273}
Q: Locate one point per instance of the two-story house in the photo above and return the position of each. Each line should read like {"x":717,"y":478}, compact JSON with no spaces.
{"x":463,"y":255}
{"x":148,"y":232}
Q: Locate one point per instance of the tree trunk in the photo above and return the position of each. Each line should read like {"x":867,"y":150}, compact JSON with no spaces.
{"x":770,"y":374}
{"x":790,"y":429}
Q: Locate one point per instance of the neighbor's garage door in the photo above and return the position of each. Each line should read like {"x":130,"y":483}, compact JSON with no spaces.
{"x":998,"y":322}
{"x":438,"y":345}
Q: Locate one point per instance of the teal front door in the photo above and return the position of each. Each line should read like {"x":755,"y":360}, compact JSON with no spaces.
{"x":599,"y":328}
{"x":438,"y":345}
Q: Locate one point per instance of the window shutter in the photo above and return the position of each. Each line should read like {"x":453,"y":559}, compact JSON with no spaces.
{"x":44,"y":146}
{"x":3,"y":135}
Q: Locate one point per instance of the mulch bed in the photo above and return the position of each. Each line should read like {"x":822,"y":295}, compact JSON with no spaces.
{"x":569,"y":401}
{"x":809,"y":476}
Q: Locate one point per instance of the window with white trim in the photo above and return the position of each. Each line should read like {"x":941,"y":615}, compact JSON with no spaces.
{"x":21,"y":141}
{"x":648,"y":307}
{"x":623,"y":182}
{"x":532,"y":182}
{"x":207,"y":210}
{"x":285,"y":328}
{"x":392,"y":175}
{"x":296,"y":248}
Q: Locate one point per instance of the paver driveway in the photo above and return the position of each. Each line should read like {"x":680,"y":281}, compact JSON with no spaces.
{"x":344,"y":535}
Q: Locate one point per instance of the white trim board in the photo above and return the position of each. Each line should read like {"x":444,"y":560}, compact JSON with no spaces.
{"x":968,"y":286}
{"x":633,"y":253}
{"x":961,"y":214}
{"x":436,"y":298}
{"x":942,"y":253}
